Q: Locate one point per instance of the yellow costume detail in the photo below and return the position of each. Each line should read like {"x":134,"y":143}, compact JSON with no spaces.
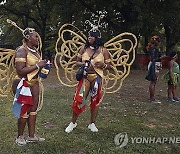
{"x":98,"y":58}
{"x":25,"y":116}
{"x":33,"y":113}
{"x":79,"y":55}
{"x":91,"y":77}
{"x":20,"y":60}
{"x":32,"y":60}
{"x":32,"y":82}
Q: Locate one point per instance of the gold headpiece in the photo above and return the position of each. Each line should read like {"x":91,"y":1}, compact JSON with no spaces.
{"x":95,"y":31}
{"x":25,"y":32}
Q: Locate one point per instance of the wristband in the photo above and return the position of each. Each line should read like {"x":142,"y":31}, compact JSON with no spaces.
{"x":105,"y":66}
{"x":37,"y":66}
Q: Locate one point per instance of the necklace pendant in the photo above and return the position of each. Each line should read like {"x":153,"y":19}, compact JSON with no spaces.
{"x":91,"y":47}
{"x":32,"y":50}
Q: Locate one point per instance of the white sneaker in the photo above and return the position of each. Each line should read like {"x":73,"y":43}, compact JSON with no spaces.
{"x":34,"y":139}
{"x":70,"y":127}
{"x":93,"y":127}
{"x":156,"y":101}
{"x":20,"y":140}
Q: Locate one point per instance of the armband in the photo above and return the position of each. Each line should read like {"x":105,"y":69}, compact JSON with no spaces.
{"x":105,"y":66}
{"x":107,"y":60}
{"x":37,"y":66}
{"x":20,"y":59}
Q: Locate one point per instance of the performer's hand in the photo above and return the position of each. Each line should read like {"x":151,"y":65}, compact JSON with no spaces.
{"x":42,"y":63}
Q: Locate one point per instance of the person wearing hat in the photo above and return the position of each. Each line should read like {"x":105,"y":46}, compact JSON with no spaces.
{"x":172,"y":77}
{"x":26,"y":87}
{"x":154,"y":66}
{"x":97,"y":58}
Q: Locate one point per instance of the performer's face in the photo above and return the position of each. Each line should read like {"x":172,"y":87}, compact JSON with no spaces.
{"x":156,"y":41}
{"x":34,"y":39}
{"x":91,"y":39}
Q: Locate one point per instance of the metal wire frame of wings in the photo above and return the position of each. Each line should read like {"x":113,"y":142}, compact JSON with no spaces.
{"x":121,"y":49}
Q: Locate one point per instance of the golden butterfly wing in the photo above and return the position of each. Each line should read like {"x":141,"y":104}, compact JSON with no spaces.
{"x":70,"y":40}
{"x":122,"y":53}
{"x":7,"y":71}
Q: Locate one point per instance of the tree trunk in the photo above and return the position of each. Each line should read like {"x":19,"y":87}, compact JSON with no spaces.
{"x":169,"y":39}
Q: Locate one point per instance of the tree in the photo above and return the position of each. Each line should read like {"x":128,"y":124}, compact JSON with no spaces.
{"x":171,"y":21}
{"x":141,"y":17}
{"x":31,"y":13}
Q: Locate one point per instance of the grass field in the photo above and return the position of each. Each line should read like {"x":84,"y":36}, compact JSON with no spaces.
{"x":125,"y":111}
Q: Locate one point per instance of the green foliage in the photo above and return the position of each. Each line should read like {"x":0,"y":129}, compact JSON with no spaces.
{"x":141,"y":17}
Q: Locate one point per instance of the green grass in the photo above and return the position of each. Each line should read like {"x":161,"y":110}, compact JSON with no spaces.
{"x":125,"y":111}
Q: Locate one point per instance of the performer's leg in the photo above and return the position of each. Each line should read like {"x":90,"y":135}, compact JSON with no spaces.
{"x":74,"y":117}
{"x":175,"y":97}
{"x":22,"y":120}
{"x":31,"y":125}
{"x":94,"y":113}
{"x":169,"y":91}
{"x":20,"y":140}
{"x":32,"y":112}
{"x":87,"y":89}
{"x":92,"y":125}
{"x":73,"y":123}
{"x":157,"y":75}
{"x":21,"y":125}
{"x":174,"y":91}
{"x":152,"y":90}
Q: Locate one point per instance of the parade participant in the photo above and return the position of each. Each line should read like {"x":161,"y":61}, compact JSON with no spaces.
{"x":172,"y":77}
{"x":100,"y":61}
{"x":96,"y":59}
{"x":26,"y":85}
{"x":154,"y":66}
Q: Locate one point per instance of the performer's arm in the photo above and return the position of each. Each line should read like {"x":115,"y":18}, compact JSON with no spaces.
{"x":170,"y":70}
{"x":106,"y":59}
{"x":79,"y":57}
